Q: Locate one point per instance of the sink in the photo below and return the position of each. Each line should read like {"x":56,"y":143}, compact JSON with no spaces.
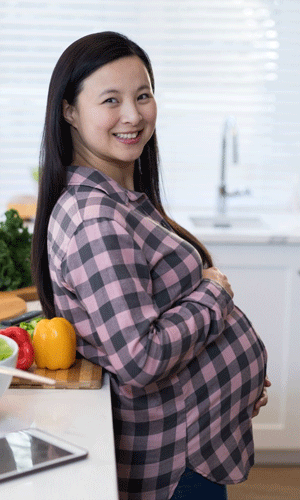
{"x":229,"y":222}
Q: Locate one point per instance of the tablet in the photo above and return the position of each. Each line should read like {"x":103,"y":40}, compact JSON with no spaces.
{"x":31,"y":450}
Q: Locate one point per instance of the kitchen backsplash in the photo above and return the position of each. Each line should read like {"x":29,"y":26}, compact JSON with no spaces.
{"x":196,"y":189}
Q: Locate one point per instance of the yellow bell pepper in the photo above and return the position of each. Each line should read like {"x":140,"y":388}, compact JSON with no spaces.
{"x":54,"y":343}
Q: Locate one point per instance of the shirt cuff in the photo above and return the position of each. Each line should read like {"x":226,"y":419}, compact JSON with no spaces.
{"x":211,"y":294}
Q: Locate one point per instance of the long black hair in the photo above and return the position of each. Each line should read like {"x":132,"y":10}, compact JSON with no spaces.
{"x":77,"y":62}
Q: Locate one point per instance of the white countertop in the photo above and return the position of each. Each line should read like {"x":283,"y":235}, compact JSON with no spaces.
{"x":276,"y":228}
{"x":82,"y":417}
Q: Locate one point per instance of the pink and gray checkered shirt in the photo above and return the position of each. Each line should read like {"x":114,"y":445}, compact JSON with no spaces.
{"x":185,"y":364}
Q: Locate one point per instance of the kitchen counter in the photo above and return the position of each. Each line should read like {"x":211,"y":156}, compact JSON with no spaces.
{"x":273,"y":227}
{"x":82,"y":417}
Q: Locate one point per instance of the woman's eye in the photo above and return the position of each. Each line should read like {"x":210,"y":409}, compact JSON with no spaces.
{"x":112,"y":100}
{"x":143,"y":96}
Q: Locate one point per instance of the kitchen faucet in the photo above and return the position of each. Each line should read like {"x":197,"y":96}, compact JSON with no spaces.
{"x":230,"y":125}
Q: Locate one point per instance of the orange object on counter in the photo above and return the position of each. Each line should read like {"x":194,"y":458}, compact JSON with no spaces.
{"x":25,"y":206}
{"x":54,"y":343}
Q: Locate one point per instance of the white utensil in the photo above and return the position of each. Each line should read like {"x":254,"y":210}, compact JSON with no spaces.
{"x":7,"y":370}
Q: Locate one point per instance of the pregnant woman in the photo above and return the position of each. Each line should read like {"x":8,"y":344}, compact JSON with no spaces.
{"x":188,"y":372}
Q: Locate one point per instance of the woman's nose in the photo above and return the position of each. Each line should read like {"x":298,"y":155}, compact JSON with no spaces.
{"x":131,"y":114}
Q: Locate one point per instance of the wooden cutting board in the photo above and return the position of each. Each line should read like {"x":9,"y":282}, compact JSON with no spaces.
{"x":82,"y":375}
{"x":27,"y":293}
{"x":11,"y":306}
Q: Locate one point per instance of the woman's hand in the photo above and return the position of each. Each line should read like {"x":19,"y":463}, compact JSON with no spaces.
{"x":214,"y":274}
{"x":263,"y":400}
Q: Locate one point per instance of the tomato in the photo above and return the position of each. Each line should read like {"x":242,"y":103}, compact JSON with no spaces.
{"x":26,"y":351}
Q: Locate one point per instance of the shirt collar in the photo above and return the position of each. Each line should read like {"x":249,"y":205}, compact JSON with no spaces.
{"x":98,"y":180}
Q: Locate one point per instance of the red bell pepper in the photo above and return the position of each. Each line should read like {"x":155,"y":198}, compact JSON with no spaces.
{"x":26,"y":351}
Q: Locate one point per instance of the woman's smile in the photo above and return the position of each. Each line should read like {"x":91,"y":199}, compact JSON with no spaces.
{"x":129,"y":137}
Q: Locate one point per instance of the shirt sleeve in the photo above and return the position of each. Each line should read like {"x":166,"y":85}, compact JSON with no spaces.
{"x":110,"y":276}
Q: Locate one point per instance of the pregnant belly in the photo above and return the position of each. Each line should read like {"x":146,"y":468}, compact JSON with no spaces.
{"x":227,"y":379}
{"x":233,"y":367}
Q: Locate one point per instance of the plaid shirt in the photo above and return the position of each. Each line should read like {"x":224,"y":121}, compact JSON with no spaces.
{"x":186,"y":366}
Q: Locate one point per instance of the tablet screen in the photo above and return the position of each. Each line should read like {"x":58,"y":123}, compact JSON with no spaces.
{"x":31,"y":450}
{"x":20,"y":451}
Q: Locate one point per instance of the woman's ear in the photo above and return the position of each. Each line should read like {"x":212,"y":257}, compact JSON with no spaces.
{"x":68,"y":112}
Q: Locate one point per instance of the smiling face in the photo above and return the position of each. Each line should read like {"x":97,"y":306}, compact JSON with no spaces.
{"x":113,"y":118}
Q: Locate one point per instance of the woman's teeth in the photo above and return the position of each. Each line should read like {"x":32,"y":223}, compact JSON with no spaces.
{"x":127,"y":136}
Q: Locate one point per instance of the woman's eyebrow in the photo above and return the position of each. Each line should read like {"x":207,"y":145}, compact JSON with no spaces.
{"x":116,"y":91}
{"x":144,"y":87}
{"x":109,"y":91}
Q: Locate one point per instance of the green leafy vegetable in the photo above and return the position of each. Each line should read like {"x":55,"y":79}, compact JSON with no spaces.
{"x":5,"y":350}
{"x":29,"y":326}
{"x":15,"y":248}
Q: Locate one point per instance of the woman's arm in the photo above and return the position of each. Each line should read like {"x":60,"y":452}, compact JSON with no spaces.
{"x":141,"y":341}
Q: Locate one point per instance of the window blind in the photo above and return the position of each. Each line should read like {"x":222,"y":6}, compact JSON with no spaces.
{"x":211,"y":59}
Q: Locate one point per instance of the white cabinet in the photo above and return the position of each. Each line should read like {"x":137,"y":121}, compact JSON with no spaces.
{"x":266,"y":281}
